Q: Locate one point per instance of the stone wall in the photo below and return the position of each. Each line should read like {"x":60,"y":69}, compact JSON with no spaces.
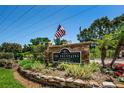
{"x":55,"y":81}
{"x":82,"y":47}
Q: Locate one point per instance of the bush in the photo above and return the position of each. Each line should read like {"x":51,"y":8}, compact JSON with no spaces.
{"x":6,"y":55}
{"x":80,"y":71}
{"x":63,"y":66}
{"x":26,"y":64}
{"x":37,"y":66}
{"x":38,"y":56}
{"x":118,"y":70}
{"x":3,"y":62}
{"x":19,"y":56}
{"x":31,"y":65}
{"x":6,"y":63}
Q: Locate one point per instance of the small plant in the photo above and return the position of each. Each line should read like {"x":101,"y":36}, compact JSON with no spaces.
{"x":118,"y":70}
{"x":37,"y":66}
{"x":26,"y":64}
{"x":80,"y":71}
{"x":63,"y":66}
{"x":5,"y":55}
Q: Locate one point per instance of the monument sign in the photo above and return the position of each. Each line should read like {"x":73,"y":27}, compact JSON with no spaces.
{"x":67,"y":56}
{"x":73,"y":53}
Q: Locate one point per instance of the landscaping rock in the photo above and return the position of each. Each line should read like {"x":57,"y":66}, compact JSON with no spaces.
{"x":38,"y":77}
{"x":62,"y":84}
{"x":109,"y":85}
{"x":120,"y":85}
{"x":81,"y":83}
{"x":94,"y":84}
{"x":55,"y":81}
{"x":69,"y":80}
{"x":60,"y":79}
{"x":108,"y":79}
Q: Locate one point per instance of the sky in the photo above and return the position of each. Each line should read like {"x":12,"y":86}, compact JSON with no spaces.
{"x":19,"y":24}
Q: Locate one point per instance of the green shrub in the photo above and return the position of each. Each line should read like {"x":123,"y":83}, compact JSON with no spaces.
{"x":37,"y":66}
{"x":63,"y":66}
{"x":6,"y":63}
{"x":19,"y":56}
{"x":80,"y":71}
{"x":26,"y":64}
{"x":94,"y":66}
{"x":6,"y":55}
{"x":32,"y":65}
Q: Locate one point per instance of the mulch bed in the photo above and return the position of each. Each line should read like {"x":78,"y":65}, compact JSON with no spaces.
{"x":97,"y":76}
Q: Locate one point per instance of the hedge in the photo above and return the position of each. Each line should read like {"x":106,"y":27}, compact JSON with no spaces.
{"x":6,"y":55}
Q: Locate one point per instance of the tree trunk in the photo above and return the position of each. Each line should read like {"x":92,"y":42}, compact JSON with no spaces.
{"x":103,"y":55}
{"x":117,"y":51}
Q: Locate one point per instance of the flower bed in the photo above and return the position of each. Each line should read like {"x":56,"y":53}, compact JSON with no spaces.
{"x":62,"y":75}
{"x":63,"y":70}
{"x":119,"y":71}
{"x":56,"y":81}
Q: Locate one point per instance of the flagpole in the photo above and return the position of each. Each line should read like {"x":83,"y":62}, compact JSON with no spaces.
{"x":80,"y":32}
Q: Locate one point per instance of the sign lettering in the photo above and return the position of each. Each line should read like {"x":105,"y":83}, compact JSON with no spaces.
{"x":66,"y":55}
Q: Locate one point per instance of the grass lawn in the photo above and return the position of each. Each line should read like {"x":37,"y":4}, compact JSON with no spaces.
{"x":7,"y":79}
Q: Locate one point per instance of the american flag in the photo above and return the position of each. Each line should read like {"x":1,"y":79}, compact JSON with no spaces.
{"x":60,"y":32}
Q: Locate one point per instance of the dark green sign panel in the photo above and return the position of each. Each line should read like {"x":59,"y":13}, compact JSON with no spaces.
{"x":66,"y":55}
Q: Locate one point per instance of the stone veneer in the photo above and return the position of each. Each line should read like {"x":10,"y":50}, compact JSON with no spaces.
{"x":57,"y":81}
{"x":82,"y":47}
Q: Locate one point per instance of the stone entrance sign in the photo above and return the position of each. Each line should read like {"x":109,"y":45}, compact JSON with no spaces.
{"x":66,"y":55}
{"x":74,"y":53}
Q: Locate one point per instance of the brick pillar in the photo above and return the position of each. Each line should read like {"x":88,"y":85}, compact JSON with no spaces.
{"x":85,"y":55}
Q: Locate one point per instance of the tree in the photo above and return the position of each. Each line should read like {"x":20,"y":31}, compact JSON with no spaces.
{"x":38,"y":47}
{"x":120,"y":43}
{"x":63,"y":41}
{"x":117,"y":21}
{"x":99,"y":28}
{"x":0,"y":48}
{"x":60,"y":42}
{"x":106,"y":33}
{"x":38,"y":52}
{"x":85,"y":35}
{"x":39,"y":40}
{"x":114,"y":40}
{"x":104,"y":44}
{"x":96,"y":30}
{"x":11,"y":47}
{"x":27,"y":48}
{"x":57,"y":41}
